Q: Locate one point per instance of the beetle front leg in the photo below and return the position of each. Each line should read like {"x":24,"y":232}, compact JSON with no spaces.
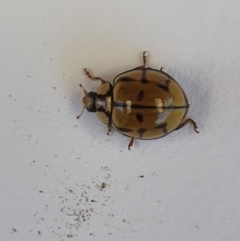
{"x":93,"y":78}
{"x":187,"y":121}
{"x":130,"y":143}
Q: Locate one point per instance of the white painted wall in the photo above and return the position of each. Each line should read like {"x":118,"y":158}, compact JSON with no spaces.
{"x":53,"y":165}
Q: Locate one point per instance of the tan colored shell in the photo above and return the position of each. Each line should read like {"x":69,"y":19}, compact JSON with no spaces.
{"x":147,"y":103}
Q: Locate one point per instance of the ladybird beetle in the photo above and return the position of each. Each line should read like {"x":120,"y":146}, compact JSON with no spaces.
{"x":143,"y":103}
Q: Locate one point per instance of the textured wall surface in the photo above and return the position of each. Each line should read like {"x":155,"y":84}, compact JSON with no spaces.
{"x":65,"y":179}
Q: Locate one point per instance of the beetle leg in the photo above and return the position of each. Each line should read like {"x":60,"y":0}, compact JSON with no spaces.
{"x":144,"y":57}
{"x":187,"y":121}
{"x":109,"y":126}
{"x":130,"y":143}
{"x":161,"y":69}
{"x":93,"y":78}
{"x":109,"y":130}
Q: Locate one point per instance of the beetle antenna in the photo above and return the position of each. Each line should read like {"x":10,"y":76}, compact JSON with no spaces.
{"x":85,"y":92}
{"x":84,"y":101}
{"x":81,"y":112}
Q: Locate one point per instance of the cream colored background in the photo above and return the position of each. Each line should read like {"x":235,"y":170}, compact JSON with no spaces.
{"x":53,"y":165}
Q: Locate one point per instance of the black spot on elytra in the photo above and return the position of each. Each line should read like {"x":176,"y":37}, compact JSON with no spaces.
{"x":141,"y":131}
{"x":163,"y":87}
{"x":123,"y":129}
{"x":140,"y":95}
{"x":144,"y":80}
{"x":139,"y":117}
{"x":126,"y":79}
{"x":163,"y":127}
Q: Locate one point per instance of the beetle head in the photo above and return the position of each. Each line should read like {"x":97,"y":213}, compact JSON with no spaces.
{"x":88,"y":101}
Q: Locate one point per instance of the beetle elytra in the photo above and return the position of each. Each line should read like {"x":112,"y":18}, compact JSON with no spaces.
{"x":142,"y":103}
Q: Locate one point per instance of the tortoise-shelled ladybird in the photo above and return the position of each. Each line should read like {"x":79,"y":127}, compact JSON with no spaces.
{"x":143,"y":103}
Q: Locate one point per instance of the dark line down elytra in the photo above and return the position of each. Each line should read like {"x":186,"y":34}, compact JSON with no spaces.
{"x":115,"y":104}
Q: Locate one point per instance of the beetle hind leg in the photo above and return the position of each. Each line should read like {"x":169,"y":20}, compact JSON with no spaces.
{"x":144,"y":58}
{"x":130,"y":143}
{"x":109,"y":130}
{"x":109,"y":126}
{"x":187,"y":121}
{"x":93,"y":78}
